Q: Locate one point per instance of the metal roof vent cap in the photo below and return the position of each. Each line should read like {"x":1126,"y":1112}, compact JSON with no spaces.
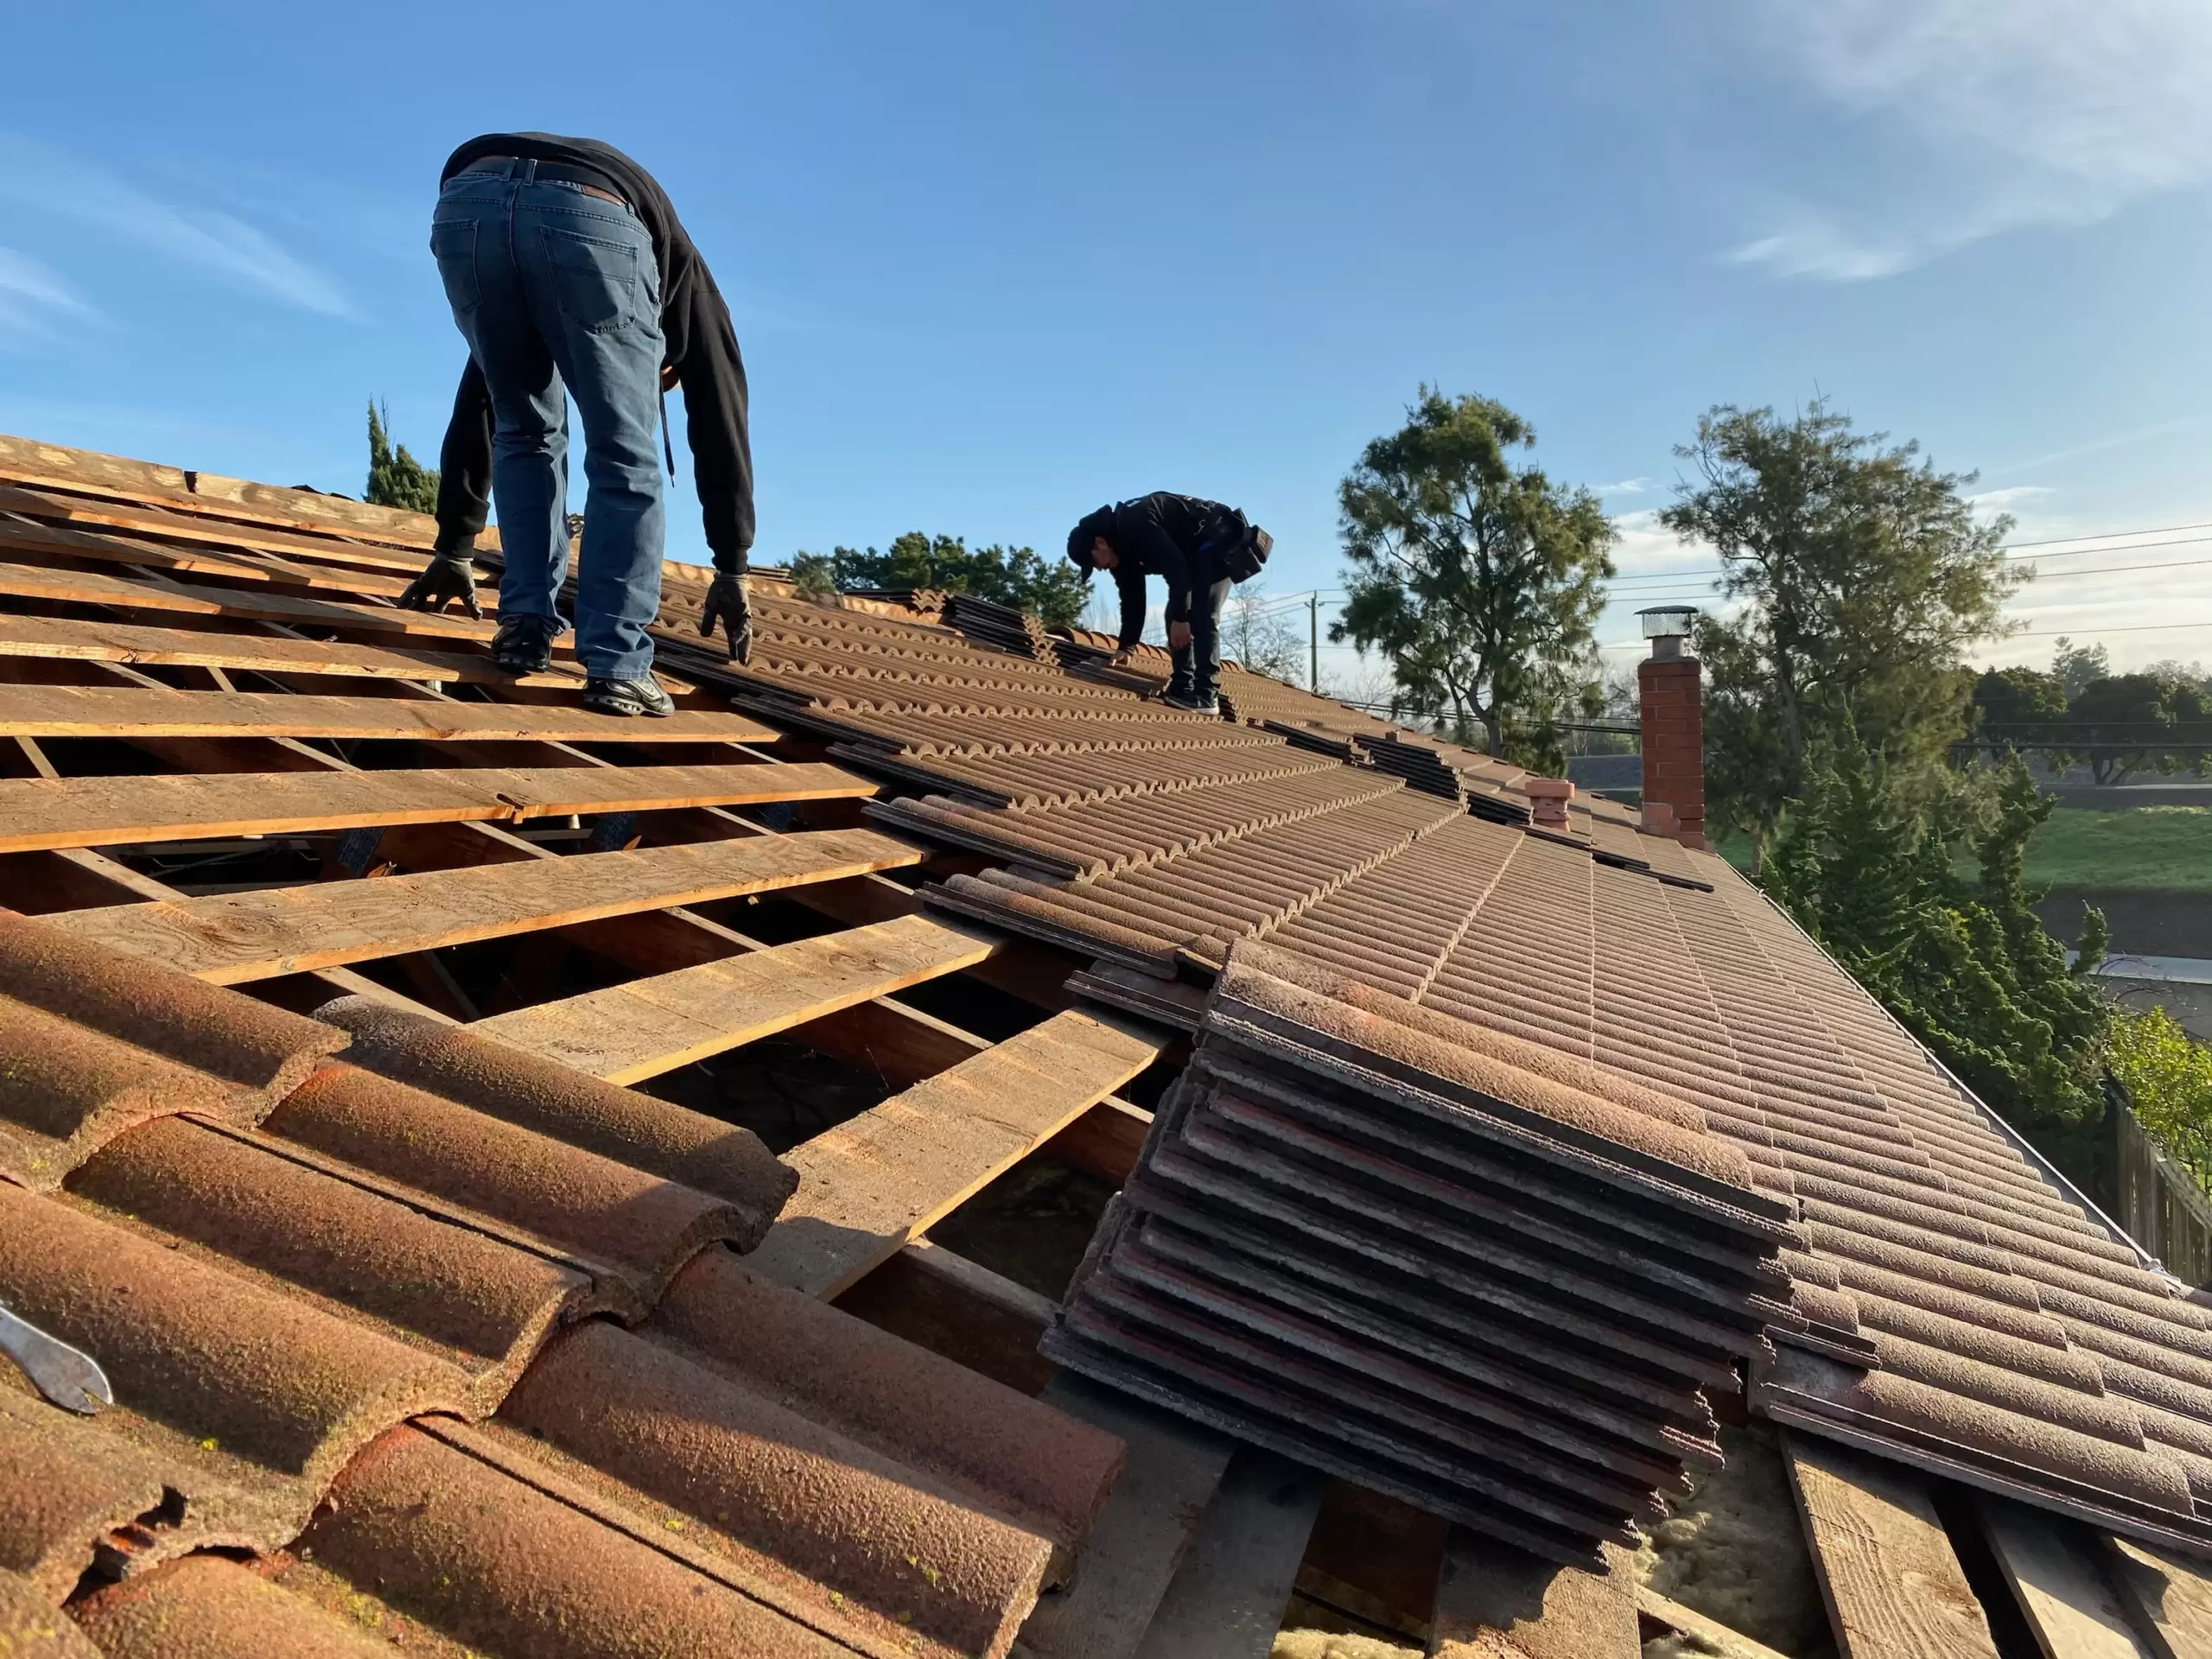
{"x":1666,"y":627}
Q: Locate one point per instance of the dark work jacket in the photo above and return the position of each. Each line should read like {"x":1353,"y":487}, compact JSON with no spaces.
{"x":1168,"y":536}
{"x":702,"y":348}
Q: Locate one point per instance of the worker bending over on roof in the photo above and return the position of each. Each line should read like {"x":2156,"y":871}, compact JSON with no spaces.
{"x":1201,"y":547}
{"x":569,"y":276}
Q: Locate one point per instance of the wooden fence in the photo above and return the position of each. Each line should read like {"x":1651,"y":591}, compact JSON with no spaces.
{"x":2158,"y":1202}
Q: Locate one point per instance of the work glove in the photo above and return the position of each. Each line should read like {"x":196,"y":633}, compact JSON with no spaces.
{"x":727,"y":605}
{"x":447,"y":576}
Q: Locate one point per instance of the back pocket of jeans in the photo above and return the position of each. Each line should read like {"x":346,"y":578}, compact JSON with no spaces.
{"x":595,"y":283}
{"x":452,"y":244}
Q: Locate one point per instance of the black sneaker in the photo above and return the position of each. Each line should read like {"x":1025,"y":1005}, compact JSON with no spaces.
{"x":643,"y":697}
{"x":524,"y":644}
{"x":1190,"y":702}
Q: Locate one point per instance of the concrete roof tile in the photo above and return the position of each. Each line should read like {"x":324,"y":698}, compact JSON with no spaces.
{"x":32,"y":1627}
{"x":781,"y":1486}
{"x":530,"y":1092}
{"x":258,"y":1051}
{"x":207,"y":1607}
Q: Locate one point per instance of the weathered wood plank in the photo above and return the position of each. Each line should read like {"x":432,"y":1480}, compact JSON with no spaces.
{"x":44,"y":813}
{"x":879,"y":1179}
{"x":77,"y":510}
{"x":48,"y":884}
{"x":27,"y":538}
{"x":1491,"y":1592}
{"x":234,"y":938}
{"x":56,"y":467}
{"x":63,"y":639}
{"x":1722,"y":1641}
{"x":1892,"y":1582}
{"x":640,"y":1030}
{"x":132,"y":712}
{"x":1130,"y":1558}
{"x":28,"y":542}
{"x":35,"y":543}
{"x":2074,"y":1610}
{"x":160,"y":594}
{"x":2169,"y":1596}
{"x":1227,"y":1598}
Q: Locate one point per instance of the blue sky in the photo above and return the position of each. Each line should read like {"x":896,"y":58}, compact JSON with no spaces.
{"x":992,"y":264}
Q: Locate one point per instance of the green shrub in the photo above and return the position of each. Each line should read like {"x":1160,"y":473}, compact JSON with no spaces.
{"x":2167,"y":1078}
{"x":1962,"y":961}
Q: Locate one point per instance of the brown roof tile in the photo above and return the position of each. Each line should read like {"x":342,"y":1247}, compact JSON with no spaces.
{"x":31,"y":1627}
{"x":483,"y":1304}
{"x":206,"y":1607}
{"x":250,"y":1390}
{"x":504,"y":1565}
{"x":532,"y":1093}
{"x":1035,"y":1465}
{"x":69,"y":1484}
{"x":771,"y":1483}
{"x":617,"y":1220}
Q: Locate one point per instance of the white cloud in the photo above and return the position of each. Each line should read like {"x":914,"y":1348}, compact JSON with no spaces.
{"x":2016,"y":502}
{"x":1647,"y":548}
{"x":31,"y":296}
{"x":2024,"y":113}
{"x":187,"y":233}
{"x":1626,"y":487}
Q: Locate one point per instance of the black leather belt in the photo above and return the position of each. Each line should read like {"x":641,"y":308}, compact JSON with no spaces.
{"x":589,"y":180}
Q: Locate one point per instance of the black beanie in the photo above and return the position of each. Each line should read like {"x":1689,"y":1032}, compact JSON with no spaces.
{"x":1088,"y":529}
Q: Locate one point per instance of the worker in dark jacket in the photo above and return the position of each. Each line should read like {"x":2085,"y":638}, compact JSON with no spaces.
{"x":1200,"y":548}
{"x":570,"y":276}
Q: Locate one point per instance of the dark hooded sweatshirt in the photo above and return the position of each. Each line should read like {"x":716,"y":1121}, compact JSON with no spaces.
{"x":702,"y":348}
{"x":1171,"y":536}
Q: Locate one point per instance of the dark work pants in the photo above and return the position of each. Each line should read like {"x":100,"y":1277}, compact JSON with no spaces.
{"x":1197,"y":666}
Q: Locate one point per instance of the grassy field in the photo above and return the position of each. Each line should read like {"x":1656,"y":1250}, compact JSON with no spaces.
{"x":2163,"y":849}
{"x":2147,"y":849}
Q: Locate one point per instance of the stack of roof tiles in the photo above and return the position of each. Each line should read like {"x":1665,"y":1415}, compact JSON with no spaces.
{"x":1001,"y":627}
{"x":460,"y":1343}
{"x":1444,"y":1263}
{"x":1421,"y":766}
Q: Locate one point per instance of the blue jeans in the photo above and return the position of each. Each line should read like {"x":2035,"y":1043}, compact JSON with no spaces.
{"x":1195,"y":670}
{"x":558,"y":294}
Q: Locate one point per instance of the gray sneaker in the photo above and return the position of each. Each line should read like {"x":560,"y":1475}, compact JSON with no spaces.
{"x":1190,"y":702}
{"x":644,"y":697}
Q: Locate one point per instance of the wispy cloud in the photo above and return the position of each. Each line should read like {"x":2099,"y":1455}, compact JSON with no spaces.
{"x":206,"y":238}
{"x":32,"y":296}
{"x":2021,"y":112}
{"x":1989,"y":503}
{"x":2101,"y":446}
{"x":1626,"y":487}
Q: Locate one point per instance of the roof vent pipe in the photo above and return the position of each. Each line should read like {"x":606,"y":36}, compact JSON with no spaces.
{"x":1671,"y":696}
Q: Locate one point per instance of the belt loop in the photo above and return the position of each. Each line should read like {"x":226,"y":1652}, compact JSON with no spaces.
{"x":530,"y":169}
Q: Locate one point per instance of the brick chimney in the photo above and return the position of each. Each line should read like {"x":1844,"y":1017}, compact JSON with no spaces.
{"x":1670,"y":687}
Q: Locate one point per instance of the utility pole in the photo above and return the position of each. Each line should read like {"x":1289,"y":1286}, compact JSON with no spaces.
{"x":1313,"y":641}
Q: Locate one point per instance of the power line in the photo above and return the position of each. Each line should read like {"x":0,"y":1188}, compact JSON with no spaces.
{"x":2152,"y":627}
{"x":2159,"y":530}
{"x":2011,"y":551}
